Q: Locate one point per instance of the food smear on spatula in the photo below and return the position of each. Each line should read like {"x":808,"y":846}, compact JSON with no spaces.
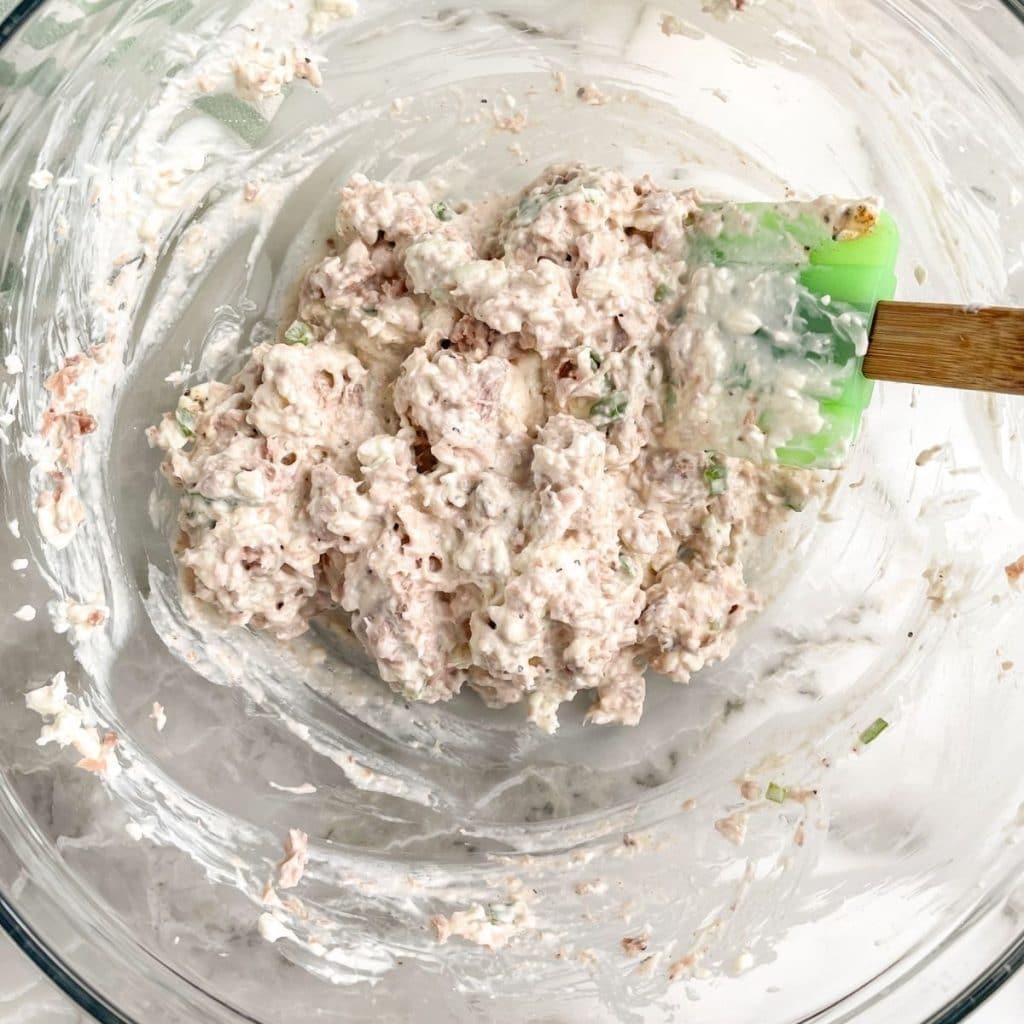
{"x":773,"y":325}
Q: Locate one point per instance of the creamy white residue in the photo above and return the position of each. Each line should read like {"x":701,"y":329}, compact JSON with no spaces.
{"x":69,"y":723}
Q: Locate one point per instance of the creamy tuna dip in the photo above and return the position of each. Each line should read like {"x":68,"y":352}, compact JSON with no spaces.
{"x":459,"y":441}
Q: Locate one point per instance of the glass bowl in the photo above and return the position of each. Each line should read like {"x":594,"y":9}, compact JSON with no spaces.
{"x":152,"y":225}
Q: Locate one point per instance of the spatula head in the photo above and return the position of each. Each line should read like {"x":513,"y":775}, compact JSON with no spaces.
{"x":776,"y":339}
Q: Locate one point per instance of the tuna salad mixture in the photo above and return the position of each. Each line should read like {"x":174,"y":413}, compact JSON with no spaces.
{"x":459,"y":441}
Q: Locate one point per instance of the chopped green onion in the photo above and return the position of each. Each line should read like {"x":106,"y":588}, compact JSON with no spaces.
{"x":442,"y":211}
{"x":531,"y":206}
{"x":626,"y":565}
{"x":186,"y":420}
{"x":370,"y":310}
{"x":776,"y":793}
{"x":300,"y":333}
{"x":661,"y":293}
{"x":873,"y":731}
{"x":611,"y":408}
{"x":595,"y":359}
{"x":740,"y":378}
{"x":716,"y":476}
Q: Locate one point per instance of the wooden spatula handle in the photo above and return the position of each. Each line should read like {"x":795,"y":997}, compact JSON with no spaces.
{"x":979,"y":349}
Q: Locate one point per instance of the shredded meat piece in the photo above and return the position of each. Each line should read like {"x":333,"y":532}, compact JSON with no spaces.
{"x":1015,"y":570}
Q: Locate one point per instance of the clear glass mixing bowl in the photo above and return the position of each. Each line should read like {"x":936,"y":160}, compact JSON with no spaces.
{"x":152,"y":223}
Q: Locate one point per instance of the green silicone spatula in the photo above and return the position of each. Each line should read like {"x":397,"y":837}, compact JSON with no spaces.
{"x":790,"y":377}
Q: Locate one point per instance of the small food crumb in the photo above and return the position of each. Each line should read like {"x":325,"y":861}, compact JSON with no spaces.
{"x":104,"y":762}
{"x":1014,"y":571}
{"x":40,"y":179}
{"x":514,"y":122}
{"x":296,"y":856}
{"x":1006,"y":666}
{"x":683,"y":967}
{"x":733,"y":828}
{"x":671,"y":25}
{"x":936,"y":578}
{"x":19,"y":564}
{"x":634,"y":945}
{"x":78,"y":619}
{"x":689,"y":805}
{"x":264,"y":70}
{"x":928,"y":454}
{"x":158,"y":716}
{"x":592,"y":95}
{"x":591,"y":888}
{"x":26,"y":613}
{"x":920,"y":274}
{"x":854,"y":221}
{"x":798,"y":794}
{"x":12,"y":525}
{"x":493,"y":927}
{"x":749,"y":789}
{"x":13,"y":364}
